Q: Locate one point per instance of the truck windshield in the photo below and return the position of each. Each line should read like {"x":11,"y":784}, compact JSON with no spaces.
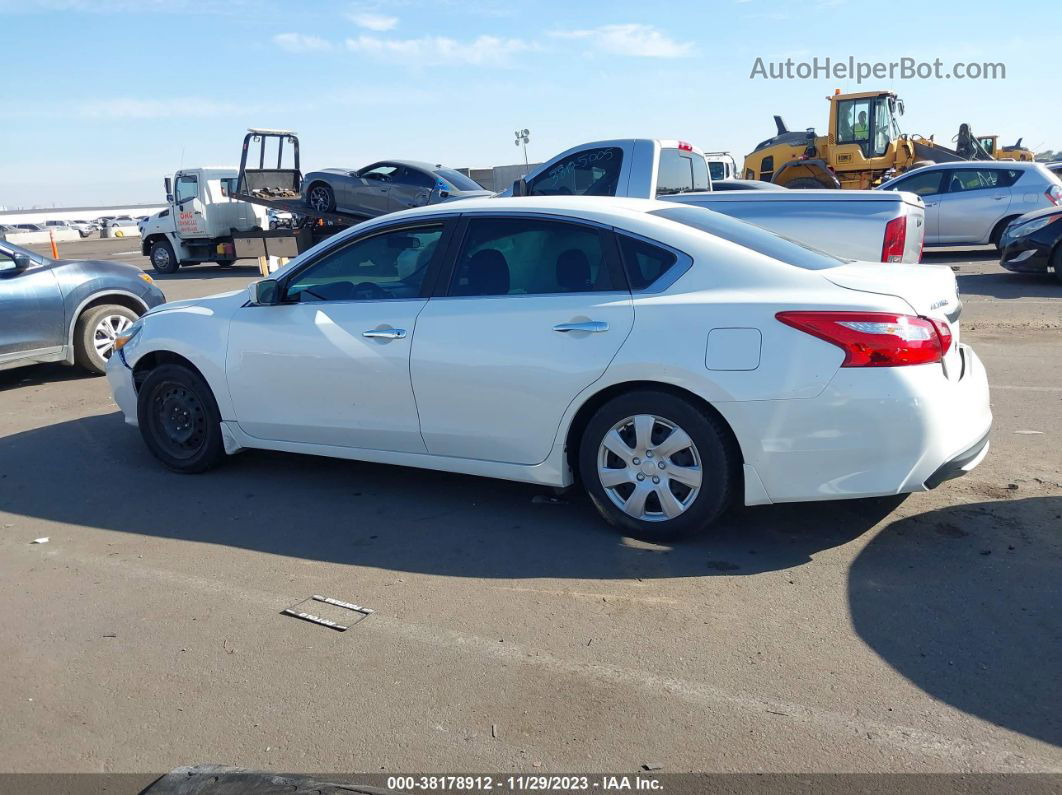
{"x":751,"y":237}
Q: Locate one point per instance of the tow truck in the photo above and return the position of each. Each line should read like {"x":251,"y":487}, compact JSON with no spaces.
{"x":221,"y":214}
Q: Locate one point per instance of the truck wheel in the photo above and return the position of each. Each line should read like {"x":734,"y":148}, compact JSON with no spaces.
{"x":321,"y":198}
{"x":225,"y":263}
{"x":163,"y":260}
{"x":95,"y":332}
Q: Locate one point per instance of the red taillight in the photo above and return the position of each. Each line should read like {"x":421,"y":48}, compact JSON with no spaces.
{"x":1054,"y":194}
{"x":685,"y":147}
{"x":895,"y":240}
{"x":876,"y":339}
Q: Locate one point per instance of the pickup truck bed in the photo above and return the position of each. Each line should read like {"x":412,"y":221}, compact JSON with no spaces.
{"x":848,"y":224}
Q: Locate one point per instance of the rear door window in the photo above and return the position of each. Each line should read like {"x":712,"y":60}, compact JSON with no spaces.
{"x":590,"y":172}
{"x":520,"y":256}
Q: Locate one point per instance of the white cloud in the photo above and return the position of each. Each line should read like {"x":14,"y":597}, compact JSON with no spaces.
{"x":370,"y":21}
{"x":632,"y":39}
{"x":482,"y":51}
{"x":297,"y":42}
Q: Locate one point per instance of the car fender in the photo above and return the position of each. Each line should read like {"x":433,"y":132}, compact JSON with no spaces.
{"x":204,"y":343}
{"x":94,"y":296}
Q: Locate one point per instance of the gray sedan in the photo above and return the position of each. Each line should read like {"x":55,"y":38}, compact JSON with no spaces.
{"x":386,"y":187}
{"x":972,"y":202}
{"x":67,"y":310}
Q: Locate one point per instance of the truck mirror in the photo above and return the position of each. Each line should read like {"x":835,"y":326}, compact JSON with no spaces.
{"x":169,"y":189}
{"x":520,"y":187}
{"x":169,"y":197}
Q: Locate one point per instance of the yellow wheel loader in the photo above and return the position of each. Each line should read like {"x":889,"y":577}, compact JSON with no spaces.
{"x":1017,"y":152}
{"x":863,"y":148}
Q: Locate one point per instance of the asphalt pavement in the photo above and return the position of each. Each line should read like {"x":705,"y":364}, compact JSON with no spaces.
{"x":512,"y":634}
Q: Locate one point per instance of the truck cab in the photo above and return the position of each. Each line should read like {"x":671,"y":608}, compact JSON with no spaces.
{"x":199,"y":220}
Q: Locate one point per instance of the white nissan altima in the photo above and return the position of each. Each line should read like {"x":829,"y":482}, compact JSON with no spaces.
{"x":668,"y":358}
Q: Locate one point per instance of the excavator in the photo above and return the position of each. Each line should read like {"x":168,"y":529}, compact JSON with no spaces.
{"x":864,"y":147}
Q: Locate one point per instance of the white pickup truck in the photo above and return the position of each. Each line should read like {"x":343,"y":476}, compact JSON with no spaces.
{"x":868,"y":225}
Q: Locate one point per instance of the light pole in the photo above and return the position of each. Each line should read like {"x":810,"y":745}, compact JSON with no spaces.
{"x":523,"y":137}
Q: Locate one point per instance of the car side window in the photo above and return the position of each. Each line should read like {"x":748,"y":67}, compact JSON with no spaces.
{"x":961,"y":180}
{"x":517,"y":256}
{"x":381,"y":173}
{"x":413,"y":177}
{"x":591,"y":172}
{"x":924,"y":184}
{"x":383,"y":266}
{"x":644,"y":262}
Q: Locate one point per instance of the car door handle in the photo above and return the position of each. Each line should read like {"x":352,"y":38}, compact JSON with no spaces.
{"x":592,"y":326}
{"x":931,"y":204}
{"x":385,"y":333}
{"x":999,"y":198}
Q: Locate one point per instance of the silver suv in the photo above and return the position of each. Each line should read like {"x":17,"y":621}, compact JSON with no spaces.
{"x":971,"y":202}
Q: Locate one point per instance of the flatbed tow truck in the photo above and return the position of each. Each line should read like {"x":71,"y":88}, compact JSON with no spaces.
{"x":221,"y":214}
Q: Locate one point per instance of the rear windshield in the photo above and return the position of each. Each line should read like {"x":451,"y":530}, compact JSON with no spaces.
{"x":457,"y":179}
{"x":751,"y":237}
{"x":717,"y":169}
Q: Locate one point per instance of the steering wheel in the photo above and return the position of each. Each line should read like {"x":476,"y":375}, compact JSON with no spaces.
{"x":366,"y":291}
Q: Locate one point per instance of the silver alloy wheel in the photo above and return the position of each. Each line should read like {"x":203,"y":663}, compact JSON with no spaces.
{"x":649,"y":467}
{"x":160,"y":257}
{"x":319,"y":198}
{"x":109,"y":327}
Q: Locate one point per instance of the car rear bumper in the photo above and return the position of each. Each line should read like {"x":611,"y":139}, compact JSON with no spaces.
{"x":871,"y":432}
{"x":120,"y":377}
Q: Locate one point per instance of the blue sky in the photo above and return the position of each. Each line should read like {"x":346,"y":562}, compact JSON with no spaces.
{"x":106,"y":97}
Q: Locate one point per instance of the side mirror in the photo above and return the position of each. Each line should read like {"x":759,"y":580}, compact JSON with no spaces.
{"x":17,"y":263}
{"x":265,"y":292}
{"x":169,"y":198}
{"x":520,"y":187}
{"x":169,"y":188}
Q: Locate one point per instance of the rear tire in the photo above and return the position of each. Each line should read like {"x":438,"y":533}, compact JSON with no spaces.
{"x":997,"y":233}
{"x":179,"y":419}
{"x":163,"y":260}
{"x":1056,"y":262}
{"x":95,"y":332}
{"x":657,"y":467}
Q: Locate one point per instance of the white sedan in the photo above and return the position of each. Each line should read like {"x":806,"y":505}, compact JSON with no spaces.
{"x":668,"y":358}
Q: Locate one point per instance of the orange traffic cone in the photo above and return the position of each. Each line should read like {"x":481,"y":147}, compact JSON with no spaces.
{"x":55,"y":248}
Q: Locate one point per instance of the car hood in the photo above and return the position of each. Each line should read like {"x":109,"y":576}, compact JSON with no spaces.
{"x":1036,"y":214}
{"x":207,"y":305}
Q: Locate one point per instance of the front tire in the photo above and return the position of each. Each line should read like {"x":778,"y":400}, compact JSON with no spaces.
{"x":163,"y":260}
{"x":657,"y":467}
{"x":321,"y":198}
{"x":179,"y":419}
{"x":95,"y":333}
{"x":1056,"y":262}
